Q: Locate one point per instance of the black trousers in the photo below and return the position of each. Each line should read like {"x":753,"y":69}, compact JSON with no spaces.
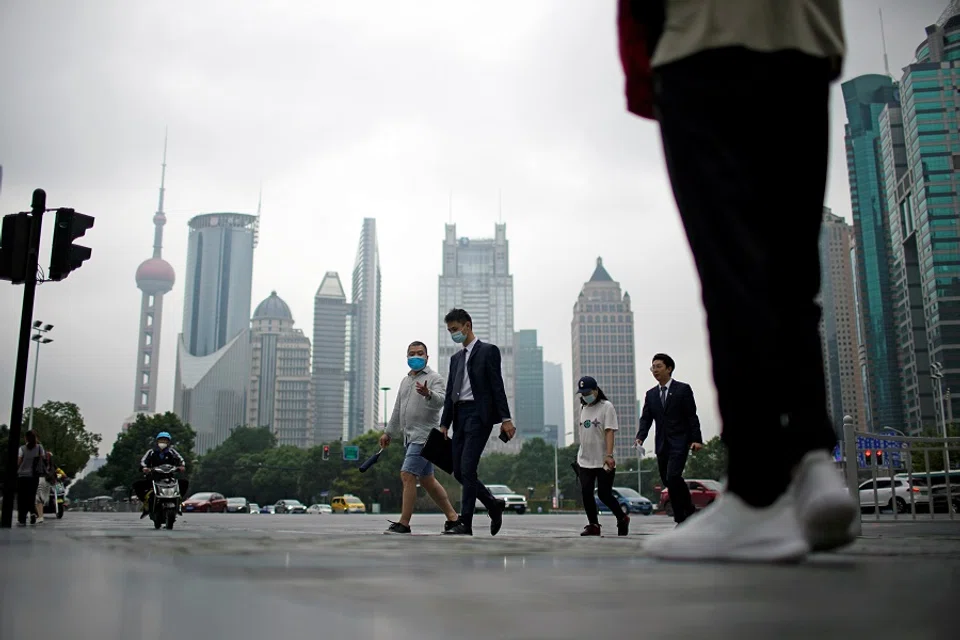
{"x":26,"y":497}
{"x":604,"y":483}
{"x":671,"y":461}
{"x":745,"y":136}
{"x":469,"y":440}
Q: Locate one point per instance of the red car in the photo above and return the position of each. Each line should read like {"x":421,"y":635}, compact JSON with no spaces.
{"x":703,"y":492}
{"x":206,"y":502}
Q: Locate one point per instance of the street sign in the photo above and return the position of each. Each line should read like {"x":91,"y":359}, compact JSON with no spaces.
{"x":351,"y":453}
{"x":893,"y":451}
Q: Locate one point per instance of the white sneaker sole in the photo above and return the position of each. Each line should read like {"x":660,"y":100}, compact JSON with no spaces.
{"x":827,"y":521}
{"x":760,"y":551}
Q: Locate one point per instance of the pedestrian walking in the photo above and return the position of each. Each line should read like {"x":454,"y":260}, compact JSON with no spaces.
{"x":596,"y":466}
{"x":416,"y":413}
{"x":30,"y":461}
{"x":720,"y":77}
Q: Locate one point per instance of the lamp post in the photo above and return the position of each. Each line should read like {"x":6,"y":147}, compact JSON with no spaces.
{"x":385,"y":390}
{"x":556,"y":466}
{"x":936,"y":372}
{"x":40,"y":339}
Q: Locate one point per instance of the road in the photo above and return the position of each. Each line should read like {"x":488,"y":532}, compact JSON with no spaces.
{"x":297,"y":576}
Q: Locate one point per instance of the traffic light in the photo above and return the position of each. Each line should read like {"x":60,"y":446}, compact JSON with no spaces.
{"x":879,"y":458}
{"x":326,"y":452}
{"x":66,"y":256}
{"x":868,"y":456}
{"x":14,"y":241}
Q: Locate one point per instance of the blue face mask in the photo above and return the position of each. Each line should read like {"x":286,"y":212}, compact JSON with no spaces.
{"x":589,"y":398}
{"x":416,"y":363}
{"x":458,"y":337}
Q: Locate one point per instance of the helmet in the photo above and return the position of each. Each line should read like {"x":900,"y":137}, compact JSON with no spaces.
{"x":164,"y":434}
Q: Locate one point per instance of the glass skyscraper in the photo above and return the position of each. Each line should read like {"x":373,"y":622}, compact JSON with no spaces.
{"x":865,"y":97}
{"x":529,"y":385}
{"x":920,"y":151}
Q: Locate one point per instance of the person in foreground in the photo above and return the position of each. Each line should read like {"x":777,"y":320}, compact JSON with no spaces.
{"x":595,"y":461}
{"x":708,"y":71}
{"x":474,"y":403}
{"x":415,"y":414}
{"x":672,"y":406}
{"x":160,"y":453}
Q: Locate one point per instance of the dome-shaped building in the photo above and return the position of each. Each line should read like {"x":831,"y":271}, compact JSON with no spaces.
{"x":155,"y":276}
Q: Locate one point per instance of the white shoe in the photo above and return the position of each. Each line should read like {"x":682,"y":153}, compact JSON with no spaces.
{"x":825,"y":507}
{"x":39,"y":520}
{"x":730,"y":529}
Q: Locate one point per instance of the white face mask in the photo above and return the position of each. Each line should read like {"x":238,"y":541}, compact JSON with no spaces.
{"x":163,"y":445}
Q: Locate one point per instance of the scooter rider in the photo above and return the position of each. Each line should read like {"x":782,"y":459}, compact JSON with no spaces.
{"x":160,"y":453}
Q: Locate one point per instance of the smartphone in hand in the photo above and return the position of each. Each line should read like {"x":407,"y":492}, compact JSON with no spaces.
{"x":504,"y":437}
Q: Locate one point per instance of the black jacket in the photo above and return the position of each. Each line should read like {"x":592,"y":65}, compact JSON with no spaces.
{"x":486,"y":382}
{"x":156,"y":456}
{"x":677,"y":422}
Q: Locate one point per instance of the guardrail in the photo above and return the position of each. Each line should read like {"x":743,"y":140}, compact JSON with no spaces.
{"x":914,"y":478}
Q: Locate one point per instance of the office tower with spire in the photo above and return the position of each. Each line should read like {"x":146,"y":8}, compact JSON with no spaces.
{"x":476,"y":277}
{"x":332,"y":375}
{"x":838,"y":324}
{"x":279,"y":396}
{"x":155,"y":277}
{"x":213,"y":350}
{"x":364,"y":397}
{"x":920,"y":161}
{"x":603,"y":347}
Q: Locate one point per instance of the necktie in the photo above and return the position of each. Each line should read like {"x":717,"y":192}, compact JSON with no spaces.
{"x":663,"y":396}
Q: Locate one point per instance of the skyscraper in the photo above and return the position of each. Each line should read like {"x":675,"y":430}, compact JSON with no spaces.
{"x":865,"y":97}
{"x":838,"y":324}
{"x":603,"y":347}
{"x":213,"y":351}
{"x":476,"y":277}
{"x":155,"y":277}
{"x":921,"y":159}
{"x":364,"y":395}
{"x":331,"y":359}
{"x":529,"y":384}
{"x":279,"y":396}
{"x":554,"y":407}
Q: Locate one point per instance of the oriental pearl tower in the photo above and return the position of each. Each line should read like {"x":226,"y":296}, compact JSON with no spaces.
{"x":155,"y":277}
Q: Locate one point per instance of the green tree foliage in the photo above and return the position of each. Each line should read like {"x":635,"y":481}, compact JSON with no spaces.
{"x":60,"y":429}
{"x":91,"y":485}
{"x":929,"y":456}
{"x":123,"y":462}
{"x":709,"y":463}
{"x":229,"y":468}
{"x":277,"y":478}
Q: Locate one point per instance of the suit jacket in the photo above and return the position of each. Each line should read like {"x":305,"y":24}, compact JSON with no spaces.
{"x":486,"y":381}
{"x":677,"y":422}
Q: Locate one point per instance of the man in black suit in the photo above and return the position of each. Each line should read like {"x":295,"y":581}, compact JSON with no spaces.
{"x":671,"y":405}
{"x":475,"y":402}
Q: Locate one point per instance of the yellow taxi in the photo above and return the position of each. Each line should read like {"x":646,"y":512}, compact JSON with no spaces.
{"x":348,"y":504}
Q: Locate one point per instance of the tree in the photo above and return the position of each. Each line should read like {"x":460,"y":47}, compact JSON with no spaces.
{"x":931,"y":454}
{"x":277,"y":478}
{"x":123,"y":462}
{"x":60,"y":429}
{"x":229,"y":467}
{"x":92,"y":484}
{"x":709,"y":463}
{"x":497,"y":468}
{"x":533,"y":465}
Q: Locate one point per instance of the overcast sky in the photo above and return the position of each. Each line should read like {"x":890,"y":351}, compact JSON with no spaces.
{"x":345,"y":110}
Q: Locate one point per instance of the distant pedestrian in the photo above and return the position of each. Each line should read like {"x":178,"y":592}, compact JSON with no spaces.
{"x":475,"y":402}
{"x":596,"y":464}
{"x":723,"y":78}
{"x":45,"y":485}
{"x":415,"y":414}
{"x":671,"y":405}
{"x":30,"y":461}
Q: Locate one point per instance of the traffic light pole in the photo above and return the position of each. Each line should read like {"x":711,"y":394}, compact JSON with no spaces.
{"x":38,"y":206}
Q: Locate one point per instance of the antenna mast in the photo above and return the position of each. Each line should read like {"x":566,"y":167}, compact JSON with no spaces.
{"x":883,"y":40}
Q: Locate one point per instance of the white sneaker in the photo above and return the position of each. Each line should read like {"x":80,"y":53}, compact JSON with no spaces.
{"x":825,"y":507}
{"x":39,"y":520}
{"x":730,"y":529}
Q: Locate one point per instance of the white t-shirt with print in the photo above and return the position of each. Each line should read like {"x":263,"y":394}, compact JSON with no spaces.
{"x":595,"y":420}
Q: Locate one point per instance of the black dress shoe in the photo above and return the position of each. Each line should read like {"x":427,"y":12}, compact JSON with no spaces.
{"x":496,"y":517}
{"x":459,"y":529}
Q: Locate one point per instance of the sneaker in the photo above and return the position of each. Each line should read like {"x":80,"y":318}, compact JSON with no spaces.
{"x":591,"y":530}
{"x":733,"y":530}
{"x":21,"y":523}
{"x":40,"y":520}
{"x":450,"y":524}
{"x":824,"y":506}
{"x":623,"y":527}
{"x":33,"y":518}
{"x":459,"y":529}
{"x":396,"y":527}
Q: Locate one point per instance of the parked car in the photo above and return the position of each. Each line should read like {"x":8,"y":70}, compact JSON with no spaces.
{"x":630,"y":501}
{"x":238,"y":505}
{"x":514,"y":501}
{"x":348,"y":504}
{"x":290,"y":506}
{"x":702,"y":492}
{"x":318,"y":509}
{"x":894,"y":494}
{"x":267,"y":509}
{"x":253,"y":508}
{"x":206,"y":502}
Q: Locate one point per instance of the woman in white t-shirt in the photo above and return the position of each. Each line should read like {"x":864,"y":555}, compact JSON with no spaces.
{"x":29,"y":471}
{"x":598,"y":425}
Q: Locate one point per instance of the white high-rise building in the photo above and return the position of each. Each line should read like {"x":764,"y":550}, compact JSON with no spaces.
{"x":476,"y":277}
{"x":364,"y":397}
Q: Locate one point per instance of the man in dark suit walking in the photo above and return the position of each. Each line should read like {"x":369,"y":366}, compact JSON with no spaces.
{"x":475,"y":402}
{"x":671,"y":405}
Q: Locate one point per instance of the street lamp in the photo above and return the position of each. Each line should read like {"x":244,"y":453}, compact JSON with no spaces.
{"x":896,"y":431}
{"x":556,"y":466}
{"x":384,"y":389}
{"x":40,"y":339}
{"x":936,"y":372}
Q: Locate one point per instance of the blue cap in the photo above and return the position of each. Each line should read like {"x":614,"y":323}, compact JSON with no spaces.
{"x":164,"y":434}
{"x":587,"y":384}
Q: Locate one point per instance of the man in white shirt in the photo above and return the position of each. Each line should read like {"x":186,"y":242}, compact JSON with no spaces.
{"x":741,"y":91}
